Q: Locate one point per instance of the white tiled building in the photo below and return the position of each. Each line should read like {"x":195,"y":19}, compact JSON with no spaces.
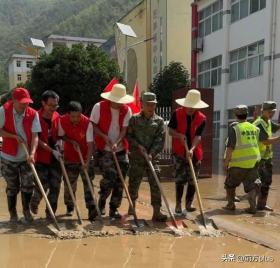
{"x":240,"y":57}
{"x":19,"y":67}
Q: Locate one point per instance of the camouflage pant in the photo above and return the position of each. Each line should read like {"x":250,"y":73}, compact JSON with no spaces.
{"x":183,"y":175}
{"x":50,"y":177}
{"x":73,"y":171}
{"x":247,"y":176}
{"x":136,"y":172}
{"x":18,"y":176}
{"x":265,"y":173}
{"x":111,"y":182}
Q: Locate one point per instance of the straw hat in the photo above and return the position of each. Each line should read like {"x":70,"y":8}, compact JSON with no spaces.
{"x":192,"y":100}
{"x":118,"y":95}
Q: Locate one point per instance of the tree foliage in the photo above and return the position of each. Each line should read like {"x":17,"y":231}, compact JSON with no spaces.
{"x":172,"y":77}
{"x":78,"y":74}
{"x":22,"y":19}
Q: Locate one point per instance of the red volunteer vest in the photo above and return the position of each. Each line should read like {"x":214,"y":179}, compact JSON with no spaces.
{"x":181,"y":117}
{"x":105,"y":122}
{"x":42,"y":155}
{"x":76,"y":133}
{"x":10,"y":145}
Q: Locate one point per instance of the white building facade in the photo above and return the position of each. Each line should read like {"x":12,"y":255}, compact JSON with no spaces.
{"x":19,"y":68}
{"x":240,"y":57}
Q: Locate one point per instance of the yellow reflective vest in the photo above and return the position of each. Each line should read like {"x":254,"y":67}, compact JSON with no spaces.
{"x":246,"y":152}
{"x":265,"y":150}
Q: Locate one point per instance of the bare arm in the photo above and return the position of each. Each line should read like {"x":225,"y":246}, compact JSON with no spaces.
{"x":89,"y":153}
{"x":175,"y":134}
{"x":44,"y":145}
{"x":272,"y":140}
{"x":6,"y":134}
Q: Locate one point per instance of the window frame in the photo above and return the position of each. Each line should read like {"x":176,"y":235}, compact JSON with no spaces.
{"x":206,"y":69}
{"x":236,"y":61}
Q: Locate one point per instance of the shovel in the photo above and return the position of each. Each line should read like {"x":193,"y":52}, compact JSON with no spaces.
{"x":70,"y":189}
{"x":90,"y":185}
{"x":41,"y":188}
{"x":126,"y":190}
{"x":207,"y":228}
{"x":179,"y":225}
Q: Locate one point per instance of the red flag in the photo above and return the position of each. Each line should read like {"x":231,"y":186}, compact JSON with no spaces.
{"x":136,"y":105}
{"x":109,"y":87}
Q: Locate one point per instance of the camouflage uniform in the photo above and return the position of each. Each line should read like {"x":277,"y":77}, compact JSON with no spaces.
{"x":73,"y":171}
{"x":111,"y":182}
{"x":150,"y":134}
{"x":50,"y":177}
{"x":183,"y":176}
{"x":18,"y":176}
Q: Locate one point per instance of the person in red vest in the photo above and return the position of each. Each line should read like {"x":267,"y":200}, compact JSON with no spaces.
{"x":110,"y":119}
{"x":77,"y":131}
{"x":186,"y":126}
{"x":47,"y":166}
{"x":18,"y":124}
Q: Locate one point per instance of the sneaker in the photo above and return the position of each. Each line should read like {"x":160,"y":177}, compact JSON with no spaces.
{"x":114,"y":214}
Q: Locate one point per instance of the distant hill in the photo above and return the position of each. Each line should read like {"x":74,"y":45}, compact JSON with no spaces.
{"x":22,"y":19}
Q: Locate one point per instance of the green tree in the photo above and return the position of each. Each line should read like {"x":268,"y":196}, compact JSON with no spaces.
{"x":172,"y":77}
{"x":78,"y":74}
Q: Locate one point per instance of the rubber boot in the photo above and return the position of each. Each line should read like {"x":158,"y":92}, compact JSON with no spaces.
{"x":25,"y":198}
{"x":230,"y":198}
{"x":130,"y":209}
{"x":189,"y":198}
{"x":92,"y":213}
{"x":179,"y":194}
{"x":101,"y":205}
{"x":12,"y":203}
{"x":33,"y":207}
{"x":252,"y":196}
{"x":48,"y":214}
{"x":157,"y":215}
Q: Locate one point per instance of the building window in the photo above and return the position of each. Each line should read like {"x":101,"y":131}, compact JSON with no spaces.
{"x":216,"y":124}
{"x":18,"y":63}
{"x":209,"y":72}
{"x":29,"y":64}
{"x":243,"y":8}
{"x":211,"y":18}
{"x":19,"y":77}
{"x":247,"y":62}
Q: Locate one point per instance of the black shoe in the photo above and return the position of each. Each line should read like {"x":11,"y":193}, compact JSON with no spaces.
{"x":178,"y":209}
{"x":114,"y":214}
{"x":26,"y":198}
{"x":12,"y":202}
{"x":69,"y":211}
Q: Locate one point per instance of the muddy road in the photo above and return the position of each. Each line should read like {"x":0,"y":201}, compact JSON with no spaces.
{"x":245,"y":240}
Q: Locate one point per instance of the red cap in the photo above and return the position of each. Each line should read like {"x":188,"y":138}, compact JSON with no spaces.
{"x":22,"y":95}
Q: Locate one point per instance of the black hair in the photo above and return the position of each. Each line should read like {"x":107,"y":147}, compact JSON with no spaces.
{"x":74,"y":106}
{"x":49,"y":94}
{"x":242,"y":116}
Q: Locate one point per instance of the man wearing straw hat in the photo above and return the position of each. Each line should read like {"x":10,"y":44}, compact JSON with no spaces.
{"x":110,"y":119}
{"x":18,"y":124}
{"x":267,"y":128}
{"x":186,"y":126}
{"x":146,"y":136}
{"x":77,"y":131}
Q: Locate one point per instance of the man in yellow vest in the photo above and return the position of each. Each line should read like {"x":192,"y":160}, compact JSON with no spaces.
{"x":241,"y":159}
{"x":267,"y":127}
